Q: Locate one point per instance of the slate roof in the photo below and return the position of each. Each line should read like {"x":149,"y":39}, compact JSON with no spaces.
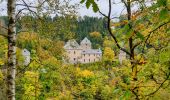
{"x":92,"y":51}
{"x":72,"y":44}
{"x":25,"y":52}
{"x":85,"y":41}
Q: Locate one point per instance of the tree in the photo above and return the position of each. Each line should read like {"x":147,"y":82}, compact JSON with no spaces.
{"x":13,"y":17}
{"x":11,"y":68}
{"x":136,"y":38}
{"x":108,"y":56}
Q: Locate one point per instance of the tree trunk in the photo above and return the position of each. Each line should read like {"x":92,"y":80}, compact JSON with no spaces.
{"x":134,"y":66}
{"x":11,"y":69}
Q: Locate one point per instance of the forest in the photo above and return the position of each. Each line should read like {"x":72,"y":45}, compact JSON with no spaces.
{"x":43,"y":27}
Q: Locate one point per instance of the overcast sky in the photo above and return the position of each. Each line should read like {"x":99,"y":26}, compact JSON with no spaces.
{"x":103,"y":6}
{"x":82,"y":11}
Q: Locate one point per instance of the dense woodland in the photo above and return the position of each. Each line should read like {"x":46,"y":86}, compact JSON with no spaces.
{"x":143,"y":34}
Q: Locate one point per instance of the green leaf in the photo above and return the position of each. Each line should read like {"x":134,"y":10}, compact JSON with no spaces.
{"x":139,"y":35}
{"x":127,"y":31}
{"x":163,"y":14}
{"x":121,"y":97}
{"x":127,"y":95}
{"x":116,"y":91}
{"x":95,"y":7}
{"x":128,"y":34}
{"x":126,"y":27}
{"x":82,"y":1}
{"x":162,"y":2}
{"x":88,"y":3}
{"x":168,"y":31}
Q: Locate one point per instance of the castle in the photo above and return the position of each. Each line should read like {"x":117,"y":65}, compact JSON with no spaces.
{"x":82,"y":53}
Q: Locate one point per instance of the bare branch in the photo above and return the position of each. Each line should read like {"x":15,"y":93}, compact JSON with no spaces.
{"x":148,"y":36}
{"x":3,"y":27}
{"x":124,"y":3}
{"x":103,"y":14}
{"x":29,"y":7}
{"x":110,"y":30}
{"x":20,"y":12}
{"x":25,"y":67}
{"x":4,"y":35}
{"x":159,"y":86}
{"x":26,"y":5}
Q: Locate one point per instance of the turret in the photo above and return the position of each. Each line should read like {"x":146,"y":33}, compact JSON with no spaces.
{"x":85,"y":44}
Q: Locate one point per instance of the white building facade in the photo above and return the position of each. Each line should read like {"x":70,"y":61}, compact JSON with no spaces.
{"x":122,"y":56}
{"x":82,"y":53}
{"x":26,"y":55}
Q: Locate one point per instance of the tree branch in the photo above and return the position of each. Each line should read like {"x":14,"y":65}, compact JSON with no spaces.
{"x":19,"y":12}
{"x":4,"y":35}
{"x":103,"y":14}
{"x":23,"y":70}
{"x":3,"y":27}
{"x":148,"y":36}
{"x":110,"y":30}
{"x":159,"y":86}
{"x":26,"y":5}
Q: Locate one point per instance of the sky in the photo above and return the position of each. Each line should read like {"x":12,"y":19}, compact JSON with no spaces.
{"x":83,"y":11}
{"x":103,"y":6}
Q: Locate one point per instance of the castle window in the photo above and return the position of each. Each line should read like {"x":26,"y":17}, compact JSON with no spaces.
{"x":84,"y":60}
{"x":89,"y":54}
{"x":74,"y":52}
{"x":94,"y":60}
{"x":94,"y":54}
{"x":84,"y":55}
{"x":74,"y":59}
{"x":89,"y":60}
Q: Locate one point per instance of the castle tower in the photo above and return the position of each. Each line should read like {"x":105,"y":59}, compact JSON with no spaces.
{"x":73,"y":51}
{"x":85,"y":44}
{"x":122,"y":56}
{"x":26,"y":55}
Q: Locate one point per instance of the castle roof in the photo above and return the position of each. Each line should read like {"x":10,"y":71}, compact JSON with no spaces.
{"x":25,"y":52}
{"x":72,"y":44}
{"x":92,"y":51}
{"x":85,"y":41}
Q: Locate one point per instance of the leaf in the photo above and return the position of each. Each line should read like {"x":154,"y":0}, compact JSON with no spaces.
{"x":168,"y":31}
{"x":127,"y":94}
{"x":116,"y":91}
{"x":1,"y":63}
{"x":127,"y":31}
{"x":95,"y":7}
{"x":163,"y":14}
{"x":128,"y":34}
{"x":121,"y":97}
{"x":82,"y":1}
{"x":88,"y":3}
{"x":139,"y":35}
{"x":126,"y":27}
{"x":162,"y":2}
